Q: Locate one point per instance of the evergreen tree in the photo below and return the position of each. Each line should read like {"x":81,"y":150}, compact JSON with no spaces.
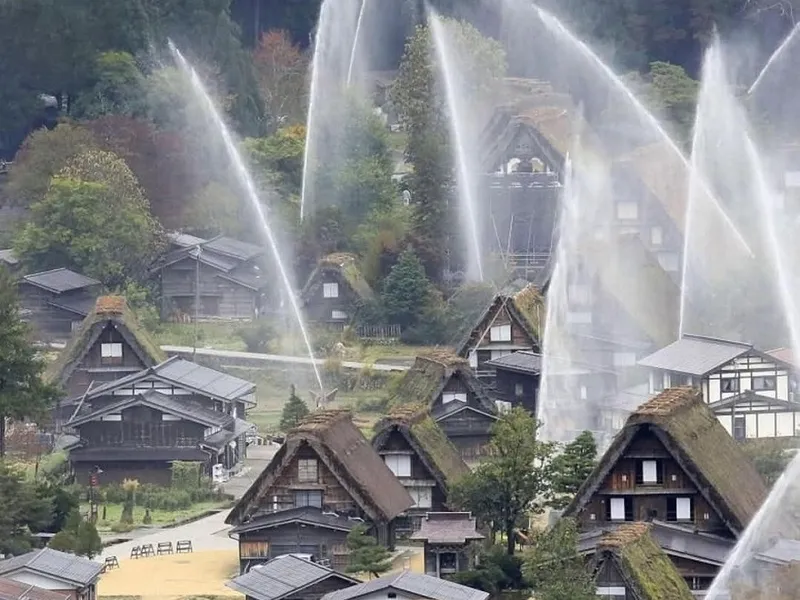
{"x":554,"y":568}
{"x":406,"y":291}
{"x":572,"y":467}
{"x":293,"y":411}
{"x":78,"y":537}
{"x":24,"y":511}
{"x":23,"y":395}
{"x":366,"y":554}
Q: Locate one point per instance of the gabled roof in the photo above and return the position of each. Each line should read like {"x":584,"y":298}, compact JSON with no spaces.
{"x":59,"y":281}
{"x":16,"y":590}
{"x":234,"y":248}
{"x":304,"y":515}
{"x":698,"y":442}
{"x":526,"y":307}
{"x":80,"y":304}
{"x":347,"y":267}
{"x":530,"y":363}
{"x":108,"y":311}
{"x":647,"y":571}
{"x":285,"y":576}
{"x":187,"y":375}
{"x":424,"y":381}
{"x":423,"y":587}
{"x":434,"y":449}
{"x":750,"y":397}
{"x":185,"y":409}
{"x":695,"y":355}
{"x":448,"y":528}
{"x":184,"y":240}
{"x":60,"y":565}
{"x":347,"y":454}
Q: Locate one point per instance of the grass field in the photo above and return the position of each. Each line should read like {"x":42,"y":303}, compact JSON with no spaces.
{"x":113,"y":512}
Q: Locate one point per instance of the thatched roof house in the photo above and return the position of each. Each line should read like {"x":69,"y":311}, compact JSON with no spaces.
{"x":629,"y":557}
{"x":335,"y":290}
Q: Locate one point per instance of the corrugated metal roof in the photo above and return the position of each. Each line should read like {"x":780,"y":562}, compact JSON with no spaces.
{"x":523,"y":361}
{"x":209,"y":381}
{"x":61,"y":565}
{"x":184,"y":240}
{"x":695,"y":355}
{"x":423,"y":586}
{"x":60,"y":280}
{"x":305,"y":514}
{"x":281,"y":577}
{"x":16,"y":590}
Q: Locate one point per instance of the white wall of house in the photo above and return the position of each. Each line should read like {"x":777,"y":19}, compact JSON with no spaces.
{"x":748,"y":372}
{"x":763,"y":423}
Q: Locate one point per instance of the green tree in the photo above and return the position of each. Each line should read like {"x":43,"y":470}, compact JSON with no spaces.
{"x":23,"y":510}
{"x":406,"y":291}
{"x":278,"y":159}
{"x":23,"y":394}
{"x":293,"y":411}
{"x":43,"y":154}
{"x":571,"y":468}
{"x":95,"y":220}
{"x":78,"y":537}
{"x":554,"y":568}
{"x":366,"y":554}
{"x":516,"y":475}
{"x":117,"y":88}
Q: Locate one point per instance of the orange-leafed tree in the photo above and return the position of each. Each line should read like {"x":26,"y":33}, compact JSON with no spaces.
{"x":281,"y":69}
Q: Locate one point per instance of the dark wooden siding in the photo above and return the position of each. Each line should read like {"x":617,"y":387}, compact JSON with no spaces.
{"x":419,"y":472}
{"x":155,"y":472}
{"x":506,"y":383}
{"x":218,"y":297}
{"x":290,"y":538}
{"x":141,"y":427}
{"x":48,"y":322}
{"x":519,"y":336}
{"x":319,"y":309}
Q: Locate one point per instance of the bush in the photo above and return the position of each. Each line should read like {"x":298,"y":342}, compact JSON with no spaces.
{"x":256,"y":335}
{"x":122,"y":527}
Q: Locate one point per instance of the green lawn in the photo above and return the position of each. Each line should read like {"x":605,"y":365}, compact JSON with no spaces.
{"x":113,"y":512}
{"x":220,"y":336}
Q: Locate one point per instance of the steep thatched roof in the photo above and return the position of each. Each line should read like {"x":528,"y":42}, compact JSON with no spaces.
{"x":648,"y":572}
{"x":425,"y":380}
{"x":698,"y":442}
{"x":108,"y":310}
{"x":438,"y":454}
{"x":346,"y":265}
{"x":347,"y":454}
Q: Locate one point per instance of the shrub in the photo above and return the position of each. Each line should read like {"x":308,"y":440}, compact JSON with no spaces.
{"x":256,"y":335}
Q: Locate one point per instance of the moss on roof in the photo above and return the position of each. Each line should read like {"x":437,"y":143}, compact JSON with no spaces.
{"x":529,"y":302}
{"x":112,"y":309}
{"x":642,"y":560}
{"x":415,"y":422}
{"x":347,"y":265}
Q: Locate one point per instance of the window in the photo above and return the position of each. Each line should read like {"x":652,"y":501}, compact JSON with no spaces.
{"x":473,"y":359}
{"x":421,"y":496}
{"x":307,"y":470}
{"x":338,"y":315}
{"x":764,"y":383}
{"x":739,"y":428}
{"x":253,"y":549}
{"x":519,"y":389}
{"x":616,"y":509}
{"x":627,"y":211}
{"x":648,"y":472}
{"x":656,"y":236}
{"x":330,"y":290}
{"x":399,"y":464}
{"x":615,"y":592}
{"x":730,"y":385}
{"x":679,"y":509}
{"x":448,"y":397}
{"x":308,"y":498}
{"x":500,"y":333}
{"x":111,"y":354}
{"x":503,"y":407}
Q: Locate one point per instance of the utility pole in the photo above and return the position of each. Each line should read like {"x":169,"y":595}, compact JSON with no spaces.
{"x":196,"y":253}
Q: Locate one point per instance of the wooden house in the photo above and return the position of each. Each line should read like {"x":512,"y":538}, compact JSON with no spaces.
{"x":109,"y":344}
{"x":449,"y":539}
{"x":223,"y":272}
{"x":73,"y":577}
{"x":136,"y":426}
{"x":629,"y":564}
{"x":512,"y":322}
{"x":290,"y":577}
{"x":406,"y":586}
{"x":56,"y":302}
{"x":516,"y":380}
{"x":751,"y":392}
{"x":458,"y":401}
{"x":325,"y":478}
{"x":335,"y":291}
{"x":419,"y":454}
{"x":673,"y":462}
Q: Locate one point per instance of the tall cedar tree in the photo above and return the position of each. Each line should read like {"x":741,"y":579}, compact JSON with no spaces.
{"x":572,"y":467}
{"x":366,"y":554}
{"x":293,"y":411}
{"x":516,"y":473}
{"x":554,"y":568}
{"x":406,"y":290}
{"x":23,"y":395}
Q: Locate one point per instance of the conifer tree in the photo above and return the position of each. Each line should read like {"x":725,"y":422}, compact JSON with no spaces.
{"x":293,"y":411}
{"x":406,"y":290}
{"x":572,"y":467}
{"x":366,"y":554}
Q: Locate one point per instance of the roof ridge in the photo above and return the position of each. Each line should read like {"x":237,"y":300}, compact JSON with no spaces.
{"x":709,"y":338}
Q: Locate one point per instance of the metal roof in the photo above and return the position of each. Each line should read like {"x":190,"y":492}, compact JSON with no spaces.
{"x":783,"y":552}
{"x":305,"y":514}
{"x":233,"y":248}
{"x":203,"y":379}
{"x":523,"y":361}
{"x":16,"y":590}
{"x":448,"y":528}
{"x":282,"y":577}
{"x":421,"y":586}
{"x":7,"y":256}
{"x":82,"y":305}
{"x":231,"y":432}
{"x":67,"y":567}
{"x":695,"y":355}
{"x":184,"y":240}
{"x":60,"y":280}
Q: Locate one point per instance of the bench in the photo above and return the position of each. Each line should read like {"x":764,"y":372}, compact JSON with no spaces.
{"x":183,"y":546}
{"x":136,"y":552}
{"x":147,"y":550}
{"x":164,"y":548}
{"x":111,"y":562}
